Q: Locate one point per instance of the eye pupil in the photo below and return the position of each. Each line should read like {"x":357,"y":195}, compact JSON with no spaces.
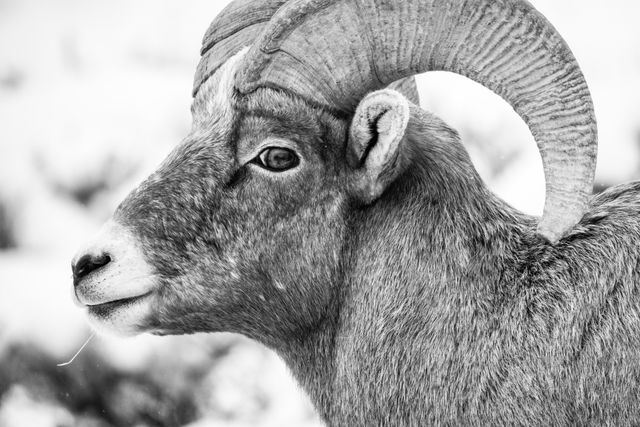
{"x":278,"y":159}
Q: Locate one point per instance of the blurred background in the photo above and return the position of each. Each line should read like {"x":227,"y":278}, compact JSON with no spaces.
{"x":93,"y":94}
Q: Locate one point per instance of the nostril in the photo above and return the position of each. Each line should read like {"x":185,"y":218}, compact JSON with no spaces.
{"x":88,"y":263}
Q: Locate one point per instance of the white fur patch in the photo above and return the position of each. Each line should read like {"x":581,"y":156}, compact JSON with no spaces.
{"x":127,"y":275}
{"x":213,"y":101}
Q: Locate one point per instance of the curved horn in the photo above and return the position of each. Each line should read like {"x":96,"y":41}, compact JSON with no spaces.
{"x":333,"y":52}
{"x":239,"y":25}
{"x":408,"y":87}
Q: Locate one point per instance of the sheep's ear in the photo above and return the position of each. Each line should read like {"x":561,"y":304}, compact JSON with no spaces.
{"x":374,"y":149}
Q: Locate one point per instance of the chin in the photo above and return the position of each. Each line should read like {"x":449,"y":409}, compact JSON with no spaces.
{"x":125,"y":318}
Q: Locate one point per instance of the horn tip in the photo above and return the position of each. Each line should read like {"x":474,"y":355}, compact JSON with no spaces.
{"x":554,"y":227}
{"x":550,"y":233}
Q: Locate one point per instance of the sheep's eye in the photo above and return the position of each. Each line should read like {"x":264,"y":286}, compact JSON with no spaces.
{"x":277,"y":159}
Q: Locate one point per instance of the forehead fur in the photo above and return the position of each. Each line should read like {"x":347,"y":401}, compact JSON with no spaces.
{"x":284,"y":114}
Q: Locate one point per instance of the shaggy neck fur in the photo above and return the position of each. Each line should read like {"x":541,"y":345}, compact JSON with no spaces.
{"x":424,"y":266}
{"x":454,"y":311}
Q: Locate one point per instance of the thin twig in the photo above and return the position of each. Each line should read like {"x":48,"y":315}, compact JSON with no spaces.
{"x":78,"y":352}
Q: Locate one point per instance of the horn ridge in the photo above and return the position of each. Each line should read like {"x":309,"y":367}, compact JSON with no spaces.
{"x":236,"y":16}
{"x":242,"y":22}
{"x":238,"y":25}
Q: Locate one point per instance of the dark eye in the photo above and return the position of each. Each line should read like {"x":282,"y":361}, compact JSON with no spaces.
{"x":277,"y":159}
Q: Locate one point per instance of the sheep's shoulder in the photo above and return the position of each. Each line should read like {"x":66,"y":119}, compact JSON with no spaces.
{"x":612,"y":216}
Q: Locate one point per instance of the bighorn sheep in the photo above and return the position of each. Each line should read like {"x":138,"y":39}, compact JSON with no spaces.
{"x":336,"y":222}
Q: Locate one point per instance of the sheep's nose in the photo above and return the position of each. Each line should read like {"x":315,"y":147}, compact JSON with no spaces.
{"x":87,"y":264}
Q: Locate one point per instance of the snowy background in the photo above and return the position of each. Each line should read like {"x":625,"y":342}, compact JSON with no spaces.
{"x":93,"y":94}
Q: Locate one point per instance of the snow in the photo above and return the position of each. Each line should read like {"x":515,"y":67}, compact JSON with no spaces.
{"x":18,"y":408}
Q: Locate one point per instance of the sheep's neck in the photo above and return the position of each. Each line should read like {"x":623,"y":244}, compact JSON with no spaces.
{"x":417,"y":297}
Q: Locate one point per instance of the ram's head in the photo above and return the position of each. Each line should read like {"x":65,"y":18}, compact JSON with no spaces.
{"x":250,"y":224}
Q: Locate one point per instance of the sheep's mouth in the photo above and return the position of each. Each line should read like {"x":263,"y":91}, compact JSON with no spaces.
{"x":124,"y":316}
{"x":103,"y":309}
